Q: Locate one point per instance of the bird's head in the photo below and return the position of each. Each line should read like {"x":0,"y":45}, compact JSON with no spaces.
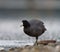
{"x":26,"y":23}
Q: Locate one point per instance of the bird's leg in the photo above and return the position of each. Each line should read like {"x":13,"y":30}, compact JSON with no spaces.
{"x":36,"y":43}
{"x":37,"y":40}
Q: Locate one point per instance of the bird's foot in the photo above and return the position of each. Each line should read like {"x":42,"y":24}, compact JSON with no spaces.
{"x":35,"y":43}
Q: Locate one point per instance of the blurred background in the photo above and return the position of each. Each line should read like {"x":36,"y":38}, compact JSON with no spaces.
{"x":12,"y":12}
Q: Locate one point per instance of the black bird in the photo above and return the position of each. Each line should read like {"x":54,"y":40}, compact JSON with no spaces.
{"x":34,"y":28}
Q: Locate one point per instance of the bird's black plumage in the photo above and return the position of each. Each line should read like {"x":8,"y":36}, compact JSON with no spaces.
{"x":34,"y":28}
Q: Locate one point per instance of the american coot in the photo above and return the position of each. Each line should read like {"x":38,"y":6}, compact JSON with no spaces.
{"x":34,"y":28}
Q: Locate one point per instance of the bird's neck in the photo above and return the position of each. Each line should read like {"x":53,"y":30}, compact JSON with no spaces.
{"x":26,"y":25}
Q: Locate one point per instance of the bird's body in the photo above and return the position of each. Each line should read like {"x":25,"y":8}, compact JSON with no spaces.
{"x":35,"y":28}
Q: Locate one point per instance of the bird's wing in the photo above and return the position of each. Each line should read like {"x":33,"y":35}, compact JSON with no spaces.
{"x":37,"y":27}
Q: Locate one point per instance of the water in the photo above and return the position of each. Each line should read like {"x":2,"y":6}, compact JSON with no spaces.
{"x":11,"y":34}
{"x":14,"y":43}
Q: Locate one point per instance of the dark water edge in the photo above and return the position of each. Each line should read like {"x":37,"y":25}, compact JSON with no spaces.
{"x":19,"y":14}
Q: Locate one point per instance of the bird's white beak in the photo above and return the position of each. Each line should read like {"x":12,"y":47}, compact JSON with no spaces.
{"x":21,"y":25}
